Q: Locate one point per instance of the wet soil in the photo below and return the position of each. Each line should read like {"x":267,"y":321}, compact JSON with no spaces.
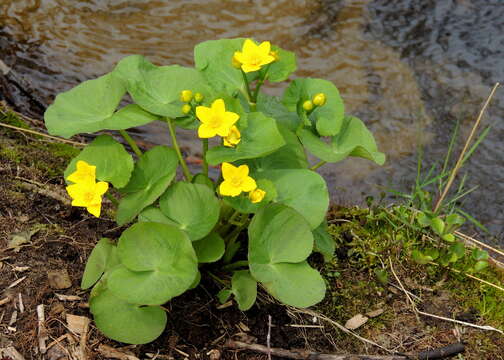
{"x":32,"y":197}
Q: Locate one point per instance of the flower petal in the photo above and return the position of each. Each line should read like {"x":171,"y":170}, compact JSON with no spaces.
{"x":223,"y":130}
{"x":248,"y":184}
{"x":227,"y":189}
{"x":230,"y":118}
{"x":94,"y":209}
{"x":228,"y":170}
{"x":205,"y":131}
{"x":203,"y":113}
{"x":265,"y":47}
{"x":218,"y":107}
{"x":242,"y":171}
{"x":249,"y":68}
{"x":101,"y":187}
{"x":249,"y":46}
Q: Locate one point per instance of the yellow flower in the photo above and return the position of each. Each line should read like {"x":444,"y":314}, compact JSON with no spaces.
{"x":236,"y":180}
{"x":253,"y":56}
{"x":215,"y":120}
{"x":256,"y":195}
{"x":186,"y":95}
{"x":84,"y":173}
{"x":88,"y":195}
{"x":233,"y":137}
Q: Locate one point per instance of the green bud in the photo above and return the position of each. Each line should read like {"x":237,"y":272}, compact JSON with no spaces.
{"x":319,"y":99}
{"x":186,"y":108}
{"x":186,"y":95}
{"x":198,"y":97}
{"x":308,"y":105}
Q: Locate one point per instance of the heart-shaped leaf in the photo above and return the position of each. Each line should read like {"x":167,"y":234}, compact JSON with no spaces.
{"x":353,"y":139}
{"x":152,"y":174}
{"x":159,"y":264}
{"x":244,"y":288}
{"x":272,"y":107}
{"x":113,"y":163}
{"x":280,"y":240}
{"x":209,"y":249}
{"x":126,"y":322}
{"x":193,"y":207}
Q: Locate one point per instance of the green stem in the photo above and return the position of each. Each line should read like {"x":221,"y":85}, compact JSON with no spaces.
{"x":185,"y":169}
{"x":216,"y":278}
{"x":112,"y":199}
{"x":235,"y":265}
{"x":205,"y":163}
{"x":247,"y":85}
{"x":260,"y":83}
{"x":131,"y":142}
{"x":231,"y":246}
{"x":317,"y":165}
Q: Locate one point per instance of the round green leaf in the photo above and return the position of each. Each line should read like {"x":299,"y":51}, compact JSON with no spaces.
{"x":278,"y":233}
{"x":244,"y":288}
{"x":126,"y":322}
{"x":113,"y":163}
{"x":128,"y":117}
{"x":301,"y":189}
{"x":154,"y":214}
{"x":293,"y":284}
{"x":329,"y":117}
{"x":159,"y":264}
{"x":259,"y":138}
{"x":213,"y":59}
{"x":193,"y":207}
{"x":354,"y":139}
{"x":153,"y":172}
{"x":209,"y":249}
{"x":100,"y":259}
{"x":86,"y":108}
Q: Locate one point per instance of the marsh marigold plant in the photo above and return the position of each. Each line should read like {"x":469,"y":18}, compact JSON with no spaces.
{"x":255,"y":205}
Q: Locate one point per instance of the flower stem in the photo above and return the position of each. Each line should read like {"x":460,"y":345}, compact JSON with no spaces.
{"x":247,"y":85}
{"x":205,"y":163}
{"x":317,"y":165}
{"x":131,"y":142}
{"x":185,"y":169}
{"x":260,"y":83}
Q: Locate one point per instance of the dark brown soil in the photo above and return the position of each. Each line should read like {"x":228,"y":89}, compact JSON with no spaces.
{"x":31,"y":197}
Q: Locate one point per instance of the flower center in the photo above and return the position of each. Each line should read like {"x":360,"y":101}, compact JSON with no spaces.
{"x":236,"y":181}
{"x":255,"y":59}
{"x":215,"y":121}
{"x":88,"y":196}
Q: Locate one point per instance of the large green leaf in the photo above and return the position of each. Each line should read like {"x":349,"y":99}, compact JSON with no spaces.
{"x":128,"y":117}
{"x":213,"y":59}
{"x":102,"y":257}
{"x":193,"y":207}
{"x":280,"y":240}
{"x":290,"y":156}
{"x":329,"y":117}
{"x":272,"y":107}
{"x":154,"y":214}
{"x":301,"y":189}
{"x":281,"y":69}
{"x":152,"y":174}
{"x":126,"y":322}
{"x":210,"y":248}
{"x":244,"y":288}
{"x":84,"y":108}
{"x":159,"y":263}
{"x":354,"y":139}
{"x":113,"y":163}
{"x":260,"y":137}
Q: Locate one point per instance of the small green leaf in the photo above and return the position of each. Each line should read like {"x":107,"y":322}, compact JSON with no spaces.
{"x":97,"y":262}
{"x":354,"y":139}
{"x":281,"y":69}
{"x":448,"y":238}
{"x":86,"y":108}
{"x":126,"y":322}
{"x":381,"y":275}
{"x":432,"y":253}
{"x":323,"y":242}
{"x":438,"y":226}
{"x":420,"y":258}
{"x":193,"y":207}
{"x":224,"y":295}
{"x":158,"y":261}
{"x":259,"y":138}
{"x":454,"y":220}
{"x":329,"y":117}
{"x":209,"y":249}
{"x":480,"y":265}
{"x":423,"y":219}
{"x":244,"y":288}
{"x":113,"y":163}
{"x":478,"y":254}
{"x":153,"y":173}
{"x":457,"y":249}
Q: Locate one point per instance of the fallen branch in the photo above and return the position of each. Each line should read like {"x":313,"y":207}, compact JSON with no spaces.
{"x":440,"y":353}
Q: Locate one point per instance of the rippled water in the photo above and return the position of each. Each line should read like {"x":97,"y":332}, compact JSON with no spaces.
{"x":408,"y":68}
